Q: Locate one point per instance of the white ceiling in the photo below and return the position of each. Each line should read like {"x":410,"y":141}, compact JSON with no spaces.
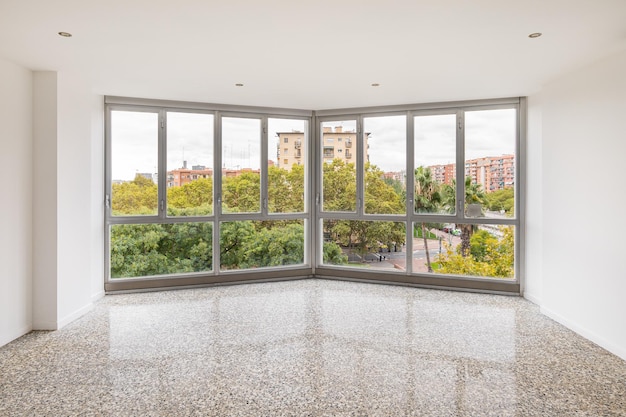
{"x":311,"y":54}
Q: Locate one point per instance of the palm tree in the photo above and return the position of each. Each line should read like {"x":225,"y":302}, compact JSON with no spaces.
{"x":427,"y":200}
{"x":473,"y":195}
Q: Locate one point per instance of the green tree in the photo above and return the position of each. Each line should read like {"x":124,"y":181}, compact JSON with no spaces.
{"x":194,"y":198}
{"x":332,"y":254}
{"x":501,"y":200}
{"x":234,"y":236}
{"x":339,"y":186}
{"x":380,"y":198}
{"x":285,"y":189}
{"x":489,"y":256}
{"x":275,"y":246}
{"x":139,"y":196}
{"x":473,"y":195}
{"x":157,"y":249}
{"x":427,"y":200}
{"x":242,"y":193}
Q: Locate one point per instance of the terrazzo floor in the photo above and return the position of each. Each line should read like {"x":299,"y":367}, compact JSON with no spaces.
{"x":310,"y":348}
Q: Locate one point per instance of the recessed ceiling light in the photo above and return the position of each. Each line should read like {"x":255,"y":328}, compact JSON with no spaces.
{"x":534,"y":35}
{"x":65,"y":34}
{"x":239,"y":85}
{"x":375,"y":85}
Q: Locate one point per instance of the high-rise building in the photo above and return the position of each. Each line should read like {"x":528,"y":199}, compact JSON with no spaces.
{"x":493,"y":173}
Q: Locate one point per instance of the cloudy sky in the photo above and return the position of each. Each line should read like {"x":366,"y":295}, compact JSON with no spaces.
{"x":190,"y":138}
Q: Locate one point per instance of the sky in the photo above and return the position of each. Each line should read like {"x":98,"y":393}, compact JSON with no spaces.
{"x":190,"y":138}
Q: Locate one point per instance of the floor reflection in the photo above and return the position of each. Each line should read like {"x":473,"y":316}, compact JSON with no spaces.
{"x":311,"y":347}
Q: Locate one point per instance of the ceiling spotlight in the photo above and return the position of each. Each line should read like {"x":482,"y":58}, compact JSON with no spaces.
{"x":534,"y":35}
{"x":65,"y":34}
{"x":375,"y":85}
{"x":239,"y":85}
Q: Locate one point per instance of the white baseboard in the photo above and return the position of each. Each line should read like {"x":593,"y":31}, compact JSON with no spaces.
{"x":73,"y":316}
{"x":45,"y":325}
{"x":532,"y":298}
{"x":14,"y":335}
{"x":598,"y":340}
{"x":52,"y":325}
{"x":95,"y":297}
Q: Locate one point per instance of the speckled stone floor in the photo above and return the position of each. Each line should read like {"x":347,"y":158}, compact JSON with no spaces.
{"x":310,"y":348}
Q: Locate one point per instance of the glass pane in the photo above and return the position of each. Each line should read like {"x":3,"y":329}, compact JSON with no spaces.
{"x":139,"y":250}
{"x":134,"y":163}
{"x":256,"y":244}
{"x":189,"y":164}
{"x":287,"y":150}
{"x":435,"y":164}
{"x":482,"y":250}
{"x":490,"y":137}
{"x":364,"y":244}
{"x":241,"y":165}
{"x":385,"y":165}
{"x":339,"y":149}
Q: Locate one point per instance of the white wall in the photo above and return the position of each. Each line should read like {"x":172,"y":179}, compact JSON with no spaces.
{"x":44,"y":191}
{"x":97,"y":196}
{"x":16,"y":148}
{"x":74,"y":231}
{"x":64,"y":275}
{"x":534,"y":207}
{"x":583,"y":282}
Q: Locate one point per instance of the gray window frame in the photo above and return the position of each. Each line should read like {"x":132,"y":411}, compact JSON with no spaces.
{"x":314,"y":215}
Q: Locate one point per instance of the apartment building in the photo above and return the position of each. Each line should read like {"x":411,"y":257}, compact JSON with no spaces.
{"x":493,"y":173}
{"x":337,"y":143}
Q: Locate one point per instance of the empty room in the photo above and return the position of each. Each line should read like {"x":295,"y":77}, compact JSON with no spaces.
{"x":348,"y":208}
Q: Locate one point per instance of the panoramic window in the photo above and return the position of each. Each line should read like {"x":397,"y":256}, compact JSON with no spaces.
{"x":423,"y":196}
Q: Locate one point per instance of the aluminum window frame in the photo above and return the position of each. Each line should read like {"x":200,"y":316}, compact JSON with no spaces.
{"x":215,"y":275}
{"x":314,"y":215}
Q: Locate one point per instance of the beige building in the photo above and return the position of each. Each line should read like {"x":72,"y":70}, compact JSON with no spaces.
{"x":336,"y":144}
{"x":290,"y":149}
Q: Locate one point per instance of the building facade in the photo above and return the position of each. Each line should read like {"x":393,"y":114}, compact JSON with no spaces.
{"x":493,"y":173}
{"x":336,"y":144}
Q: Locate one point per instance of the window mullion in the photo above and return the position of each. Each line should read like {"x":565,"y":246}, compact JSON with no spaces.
{"x":217,"y":190}
{"x":410,"y":189}
{"x":360,"y":167}
{"x":162,"y":168}
{"x":460,"y":166}
{"x":264,"y":167}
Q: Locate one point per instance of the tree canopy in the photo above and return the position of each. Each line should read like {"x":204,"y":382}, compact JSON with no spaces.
{"x":175,"y":247}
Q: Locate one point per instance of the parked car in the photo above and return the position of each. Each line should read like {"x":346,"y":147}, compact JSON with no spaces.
{"x":452,"y":230}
